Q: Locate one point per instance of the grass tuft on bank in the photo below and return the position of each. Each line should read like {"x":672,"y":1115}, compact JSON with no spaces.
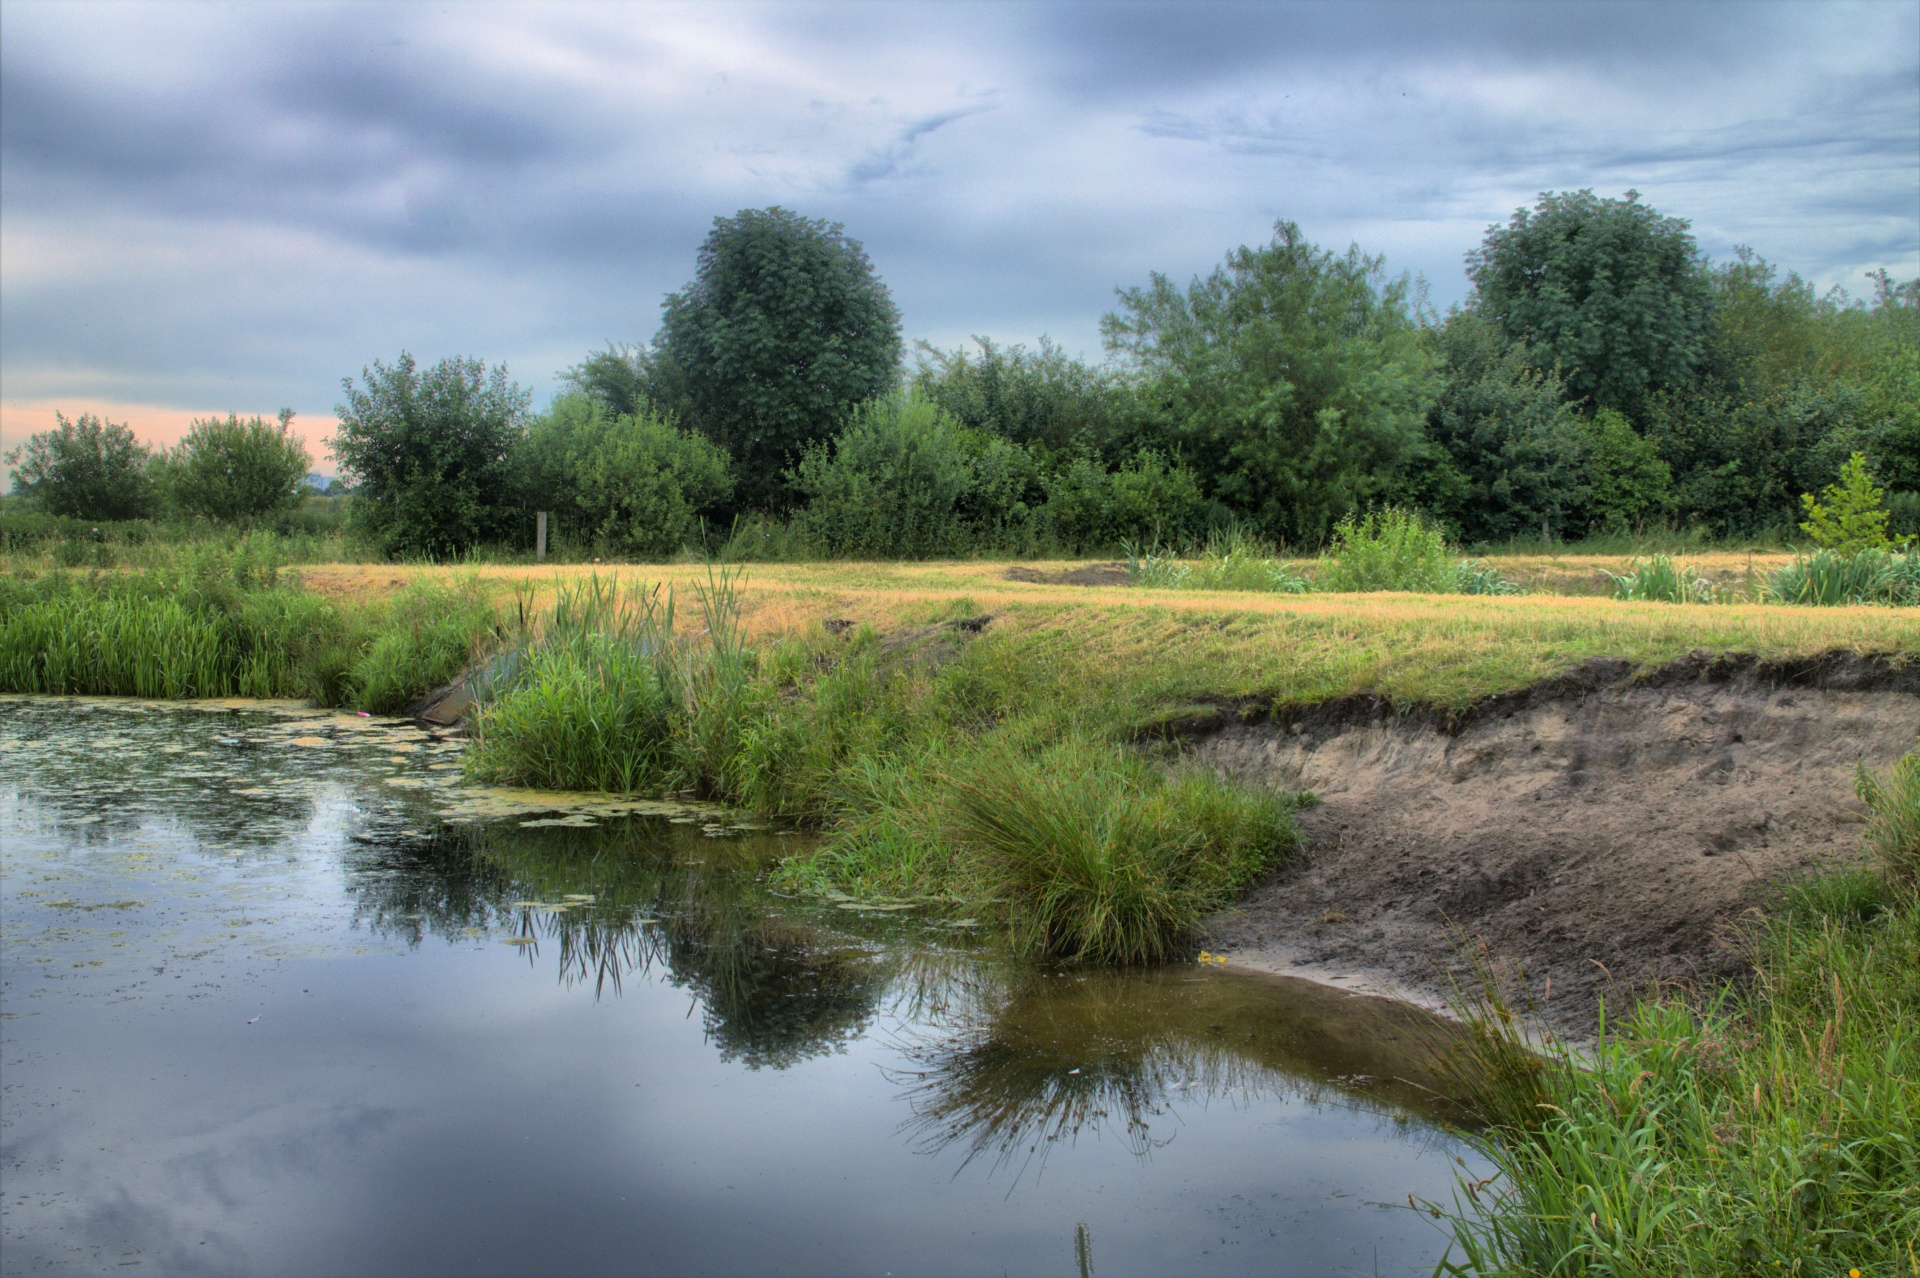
{"x":1772,"y":1128}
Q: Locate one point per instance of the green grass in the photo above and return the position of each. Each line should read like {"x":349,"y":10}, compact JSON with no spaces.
{"x":1660,"y":580}
{"x":939,"y":766}
{"x":1771,"y":1128}
{"x":214,"y":623}
{"x":1829,"y":578}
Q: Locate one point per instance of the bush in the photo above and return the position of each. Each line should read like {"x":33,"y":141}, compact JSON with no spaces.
{"x":632,"y":484}
{"x":1146,"y":502}
{"x":86,"y":469}
{"x":1390,"y":549}
{"x":237,"y":472}
{"x":427,"y":453}
{"x":903,"y":481}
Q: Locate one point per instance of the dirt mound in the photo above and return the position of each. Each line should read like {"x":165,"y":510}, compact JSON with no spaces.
{"x":1606,"y":831}
{"x":1114,"y":574}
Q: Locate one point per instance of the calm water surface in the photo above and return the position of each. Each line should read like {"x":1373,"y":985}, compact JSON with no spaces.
{"x":280,"y":997}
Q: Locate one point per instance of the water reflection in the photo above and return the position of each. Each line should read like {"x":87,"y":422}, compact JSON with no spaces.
{"x":219,"y":952}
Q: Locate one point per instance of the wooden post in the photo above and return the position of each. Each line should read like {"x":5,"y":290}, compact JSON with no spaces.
{"x":540,"y":535}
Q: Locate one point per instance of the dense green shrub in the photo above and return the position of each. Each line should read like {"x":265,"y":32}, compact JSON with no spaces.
{"x":236,"y":472}
{"x":630,"y":484}
{"x":1041,"y":398}
{"x":1507,"y":450}
{"x":1624,"y":484}
{"x":904,"y":481}
{"x":1145,"y":502}
{"x":427,"y":453}
{"x":85,"y":469}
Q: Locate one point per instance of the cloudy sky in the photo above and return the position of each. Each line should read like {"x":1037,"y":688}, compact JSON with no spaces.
{"x":228,"y":207}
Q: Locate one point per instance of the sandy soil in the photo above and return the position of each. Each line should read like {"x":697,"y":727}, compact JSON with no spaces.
{"x":1606,"y":832}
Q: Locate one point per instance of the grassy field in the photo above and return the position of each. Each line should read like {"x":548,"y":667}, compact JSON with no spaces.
{"x":1162,"y":647}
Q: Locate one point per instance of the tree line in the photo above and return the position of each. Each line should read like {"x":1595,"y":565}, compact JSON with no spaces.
{"x":1604,"y":376}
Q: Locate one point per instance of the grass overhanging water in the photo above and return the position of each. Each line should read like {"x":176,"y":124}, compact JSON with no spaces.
{"x":1766,"y":1128}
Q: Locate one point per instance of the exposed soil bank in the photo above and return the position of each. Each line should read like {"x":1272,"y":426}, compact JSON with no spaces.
{"x":1604,"y":830}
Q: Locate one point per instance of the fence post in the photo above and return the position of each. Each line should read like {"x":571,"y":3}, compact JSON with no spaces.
{"x":540,"y":535}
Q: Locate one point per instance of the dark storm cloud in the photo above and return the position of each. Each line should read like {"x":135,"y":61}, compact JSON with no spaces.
{"x":232,"y":207}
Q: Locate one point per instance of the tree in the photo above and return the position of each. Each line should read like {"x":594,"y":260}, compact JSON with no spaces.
{"x":1297,"y":378}
{"x":1609,"y":291}
{"x":427,"y":452}
{"x":86,"y":469}
{"x":1625,"y":482}
{"x":784,"y":330}
{"x":619,"y":379}
{"x":1847,"y":516}
{"x":632,"y":482}
{"x":237,"y":472}
{"x":1508,"y":445}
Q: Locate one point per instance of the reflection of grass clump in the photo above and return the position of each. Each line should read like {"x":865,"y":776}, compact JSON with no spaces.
{"x":1775,"y":1129}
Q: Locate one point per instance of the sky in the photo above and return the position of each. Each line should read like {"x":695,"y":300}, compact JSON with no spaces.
{"x":213,"y":208}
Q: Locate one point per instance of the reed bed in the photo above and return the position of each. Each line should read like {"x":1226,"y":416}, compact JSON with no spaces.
{"x":226,"y":623}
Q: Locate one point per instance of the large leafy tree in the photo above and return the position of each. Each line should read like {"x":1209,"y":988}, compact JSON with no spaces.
{"x":1296,"y":378}
{"x":427,"y":452}
{"x":86,"y":469}
{"x":1609,"y":291}
{"x":238,"y":472}
{"x":784,"y":329}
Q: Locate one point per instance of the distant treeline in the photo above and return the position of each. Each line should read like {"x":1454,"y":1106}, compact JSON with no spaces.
{"x":1603,"y":377}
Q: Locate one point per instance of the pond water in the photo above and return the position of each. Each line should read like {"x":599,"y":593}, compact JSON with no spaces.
{"x":281,"y":996}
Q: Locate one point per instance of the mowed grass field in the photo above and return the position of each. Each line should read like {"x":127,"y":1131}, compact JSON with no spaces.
{"x":1166,"y":646}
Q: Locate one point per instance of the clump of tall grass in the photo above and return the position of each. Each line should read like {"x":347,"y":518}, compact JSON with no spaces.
{"x":1660,"y":580}
{"x":606,"y":695}
{"x":1831,"y":578}
{"x":1399,"y":549}
{"x":1093,"y":854}
{"x":1773,"y":1129}
{"x":1231,"y":559}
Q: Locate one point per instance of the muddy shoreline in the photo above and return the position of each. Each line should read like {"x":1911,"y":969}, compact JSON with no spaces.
{"x":1606,"y":831}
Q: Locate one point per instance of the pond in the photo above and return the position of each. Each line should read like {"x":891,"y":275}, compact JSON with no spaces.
{"x":282,"y":995}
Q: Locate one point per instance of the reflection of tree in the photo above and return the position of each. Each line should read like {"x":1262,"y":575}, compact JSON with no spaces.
{"x":776,"y":988}
{"x":1051,"y":1056}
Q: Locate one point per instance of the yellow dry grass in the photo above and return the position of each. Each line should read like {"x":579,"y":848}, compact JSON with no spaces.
{"x":1445,"y":650}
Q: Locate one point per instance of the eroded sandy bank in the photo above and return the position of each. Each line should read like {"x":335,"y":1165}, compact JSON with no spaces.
{"x":1606,"y":830}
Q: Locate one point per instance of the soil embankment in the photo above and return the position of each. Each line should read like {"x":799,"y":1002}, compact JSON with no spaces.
{"x":1604,"y":830}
